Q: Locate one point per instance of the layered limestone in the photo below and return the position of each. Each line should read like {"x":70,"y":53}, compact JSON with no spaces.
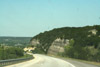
{"x":58,"y":46}
{"x":35,"y":42}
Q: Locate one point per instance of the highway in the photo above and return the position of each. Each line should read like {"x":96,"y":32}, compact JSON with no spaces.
{"x":47,"y":61}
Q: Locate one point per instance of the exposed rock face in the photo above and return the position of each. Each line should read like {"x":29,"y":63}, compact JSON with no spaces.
{"x":58,"y":46}
{"x":94,"y":31}
{"x":35,"y":42}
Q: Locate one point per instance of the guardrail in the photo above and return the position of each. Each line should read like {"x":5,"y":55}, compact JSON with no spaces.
{"x":13,"y":61}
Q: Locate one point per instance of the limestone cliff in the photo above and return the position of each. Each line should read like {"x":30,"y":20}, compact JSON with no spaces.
{"x":58,"y":46}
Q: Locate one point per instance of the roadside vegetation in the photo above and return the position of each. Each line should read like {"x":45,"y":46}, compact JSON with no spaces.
{"x":7,"y":52}
{"x":12,"y":47}
{"x":89,"y":53}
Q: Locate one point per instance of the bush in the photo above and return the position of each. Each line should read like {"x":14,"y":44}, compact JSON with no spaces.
{"x":10,"y":52}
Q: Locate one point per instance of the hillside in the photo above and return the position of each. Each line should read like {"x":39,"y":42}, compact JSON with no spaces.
{"x":81,"y":40}
{"x":14,"y":41}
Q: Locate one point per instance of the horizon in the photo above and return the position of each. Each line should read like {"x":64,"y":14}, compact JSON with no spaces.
{"x":22,"y":18}
{"x":44,"y":31}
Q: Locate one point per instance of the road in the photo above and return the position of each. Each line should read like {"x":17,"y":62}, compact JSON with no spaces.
{"x":79,"y":64}
{"x":46,"y":61}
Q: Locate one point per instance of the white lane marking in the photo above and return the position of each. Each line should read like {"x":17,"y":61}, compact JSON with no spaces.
{"x":71,"y":64}
{"x":59,"y":60}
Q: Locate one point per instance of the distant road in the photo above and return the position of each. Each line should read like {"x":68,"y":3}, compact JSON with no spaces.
{"x":46,"y":61}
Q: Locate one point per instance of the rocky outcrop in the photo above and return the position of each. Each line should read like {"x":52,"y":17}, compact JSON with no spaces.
{"x":58,"y":46}
{"x":93,"y":31}
{"x":35,"y":42}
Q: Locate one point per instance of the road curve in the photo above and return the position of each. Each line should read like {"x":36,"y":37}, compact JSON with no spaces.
{"x":43,"y":61}
{"x":46,"y":61}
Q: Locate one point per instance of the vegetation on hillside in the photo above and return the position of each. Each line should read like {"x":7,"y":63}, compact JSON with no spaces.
{"x":86,"y":52}
{"x":86,"y":45}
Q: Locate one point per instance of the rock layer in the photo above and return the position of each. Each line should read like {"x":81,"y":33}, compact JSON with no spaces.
{"x":58,"y":46}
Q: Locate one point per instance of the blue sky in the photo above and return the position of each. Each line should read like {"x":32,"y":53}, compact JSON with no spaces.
{"x":30,"y":17}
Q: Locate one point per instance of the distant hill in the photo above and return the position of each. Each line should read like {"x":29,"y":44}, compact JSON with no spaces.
{"x":14,"y":41}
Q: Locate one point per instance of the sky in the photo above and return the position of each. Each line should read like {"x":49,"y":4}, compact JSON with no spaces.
{"x":31,"y":17}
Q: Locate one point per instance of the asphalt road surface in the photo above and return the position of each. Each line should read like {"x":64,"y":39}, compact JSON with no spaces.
{"x":46,"y":61}
{"x":79,"y":64}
